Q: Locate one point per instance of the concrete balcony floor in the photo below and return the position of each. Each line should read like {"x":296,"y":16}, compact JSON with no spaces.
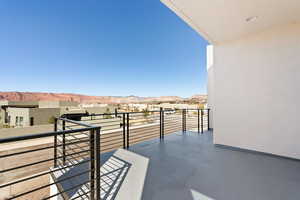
{"x":187,"y":166}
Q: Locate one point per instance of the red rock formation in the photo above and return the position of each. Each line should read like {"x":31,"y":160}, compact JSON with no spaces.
{"x":39,"y":96}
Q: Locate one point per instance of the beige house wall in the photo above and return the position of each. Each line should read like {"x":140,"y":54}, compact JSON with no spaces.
{"x":19,"y":103}
{"x":100,"y":110}
{"x":18,"y":112}
{"x":2,"y":116}
{"x":42,"y":115}
{"x":57,"y":104}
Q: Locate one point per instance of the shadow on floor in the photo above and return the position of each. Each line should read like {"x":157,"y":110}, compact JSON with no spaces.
{"x":112,"y":173}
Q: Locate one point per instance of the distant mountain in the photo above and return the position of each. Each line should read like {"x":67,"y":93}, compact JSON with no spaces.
{"x":199,"y":98}
{"x":40,"y":96}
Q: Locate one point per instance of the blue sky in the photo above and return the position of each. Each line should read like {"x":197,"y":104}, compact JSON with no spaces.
{"x":99,"y":47}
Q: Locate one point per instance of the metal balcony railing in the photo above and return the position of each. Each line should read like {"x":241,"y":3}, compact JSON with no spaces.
{"x":25,"y":170}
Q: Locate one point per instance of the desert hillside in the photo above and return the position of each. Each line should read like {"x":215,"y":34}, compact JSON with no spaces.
{"x":39,"y":96}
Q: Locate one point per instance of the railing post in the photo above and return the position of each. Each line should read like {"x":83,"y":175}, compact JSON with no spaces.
{"x":185,"y":112}
{"x":55,"y":143}
{"x":160,"y":123}
{"x":184,"y":120}
{"x":116,"y":112}
{"x":124,"y":130}
{"x":163,"y":123}
{"x":97,"y":143}
{"x":202,"y":121}
{"x":92,"y":164}
{"x":64,"y":141}
{"x":127,"y":130}
{"x":208,"y":119}
{"x":198,"y":119}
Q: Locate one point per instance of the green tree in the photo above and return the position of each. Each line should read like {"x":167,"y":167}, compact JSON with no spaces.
{"x":107,"y":114}
{"x":146,"y":113}
{"x":177,"y":110}
{"x":201,"y":106}
{"x":51,"y":120}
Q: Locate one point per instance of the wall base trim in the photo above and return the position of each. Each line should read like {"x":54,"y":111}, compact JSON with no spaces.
{"x":254,"y":152}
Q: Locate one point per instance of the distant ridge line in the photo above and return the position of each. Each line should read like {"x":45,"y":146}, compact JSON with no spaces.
{"x":45,"y":96}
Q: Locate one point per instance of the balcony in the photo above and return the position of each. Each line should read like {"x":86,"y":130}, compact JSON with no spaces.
{"x":187,"y":165}
{"x":150,"y":155}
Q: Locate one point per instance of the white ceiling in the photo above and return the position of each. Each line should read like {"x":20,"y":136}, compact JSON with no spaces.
{"x":223,"y":20}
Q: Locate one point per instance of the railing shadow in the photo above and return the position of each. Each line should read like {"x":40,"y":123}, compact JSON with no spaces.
{"x":112,"y":174}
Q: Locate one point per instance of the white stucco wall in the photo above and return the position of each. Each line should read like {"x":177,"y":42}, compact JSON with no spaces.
{"x":210,"y":83}
{"x":256,"y":92}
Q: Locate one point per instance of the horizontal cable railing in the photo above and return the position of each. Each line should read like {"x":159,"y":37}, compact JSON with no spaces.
{"x":120,"y":130}
{"x":25,"y":171}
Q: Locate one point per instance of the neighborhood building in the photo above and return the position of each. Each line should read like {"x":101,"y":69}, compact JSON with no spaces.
{"x":31,"y":113}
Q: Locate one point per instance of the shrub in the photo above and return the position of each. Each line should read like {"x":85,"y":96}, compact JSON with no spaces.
{"x":51,"y":120}
{"x":146,"y":113}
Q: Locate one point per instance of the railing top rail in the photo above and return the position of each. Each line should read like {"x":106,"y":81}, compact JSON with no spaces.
{"x":77,"y":122}
{"x":54,"y":133}
{"x":196,"y":109}
{"x":120,"y":113}
{"x":141,"y":112}
{"x":43,"y":135}
{"x":87,"y":126}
